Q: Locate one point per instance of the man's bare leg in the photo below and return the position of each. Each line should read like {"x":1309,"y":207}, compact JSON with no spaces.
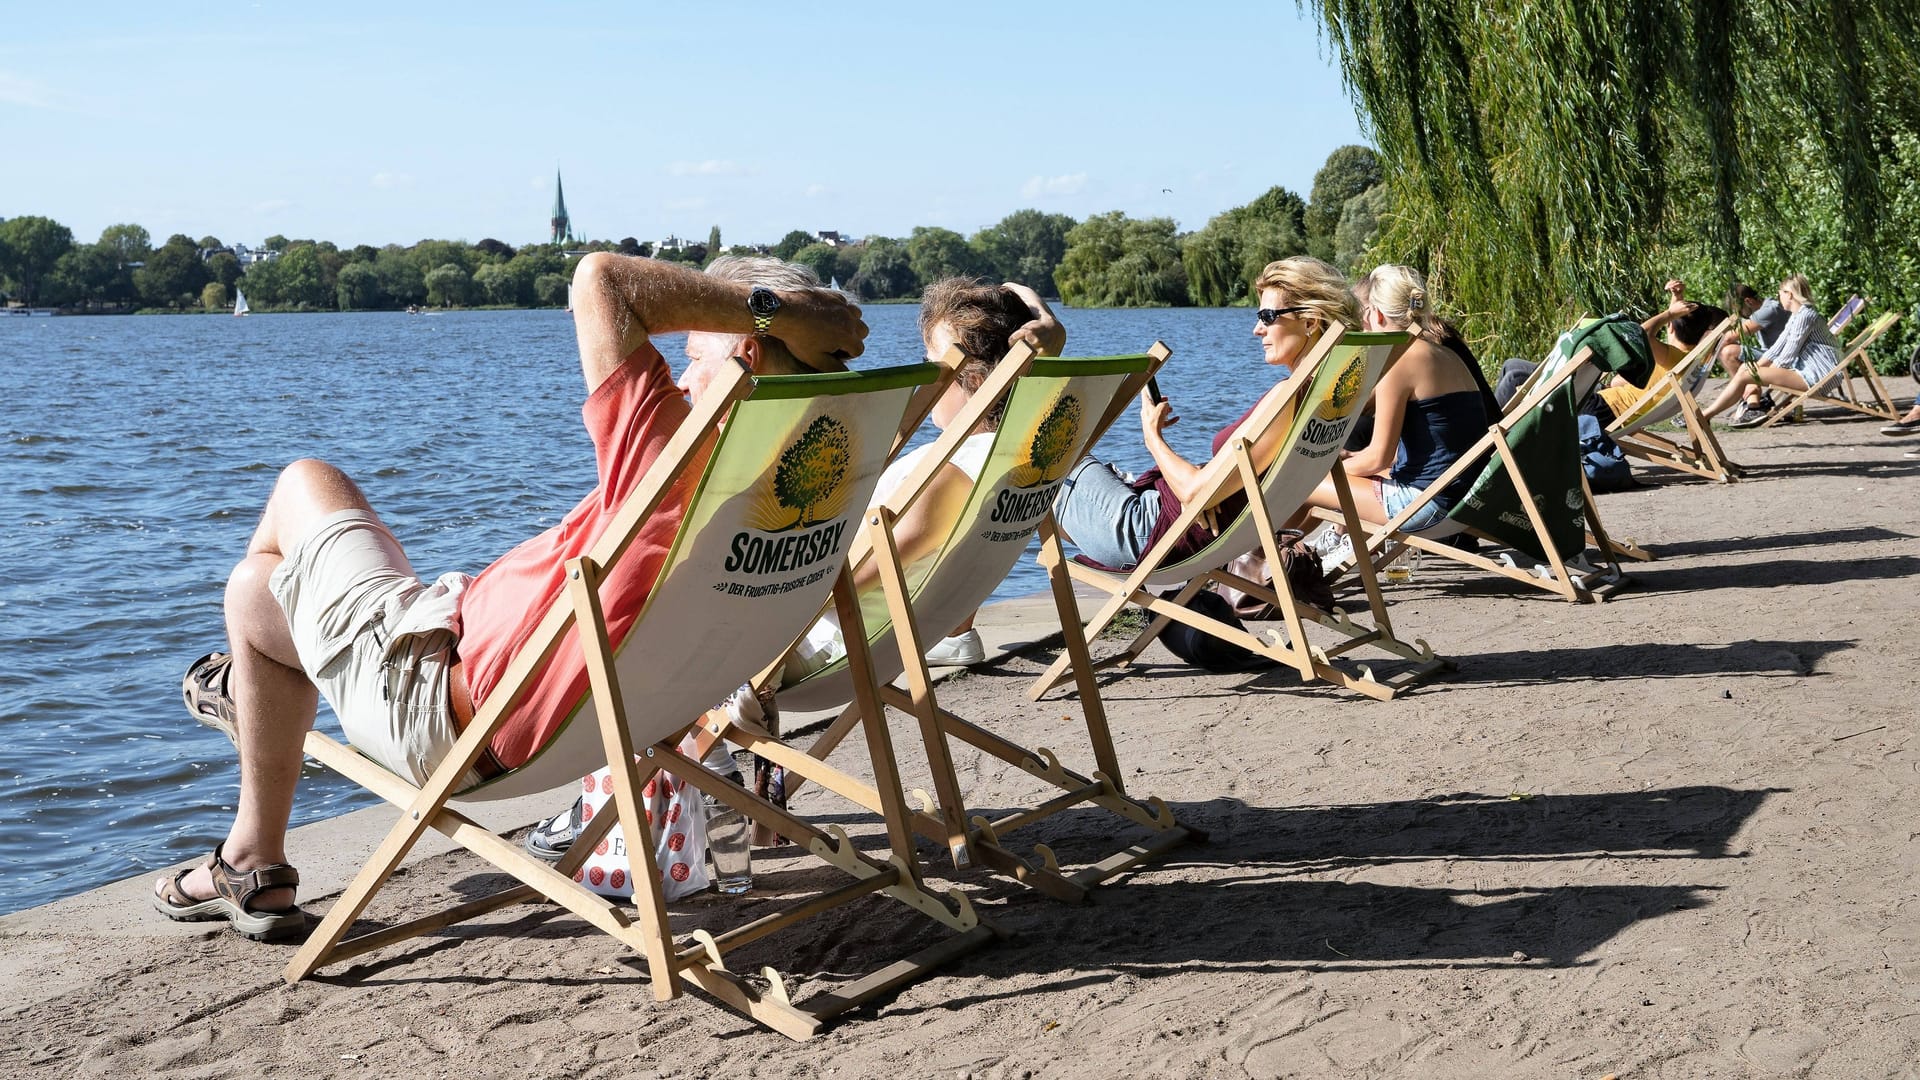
{"x":274,"y":701}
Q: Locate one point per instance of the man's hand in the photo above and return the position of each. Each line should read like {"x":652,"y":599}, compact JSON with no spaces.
{"x":1676,"y":288}
{"x":1042,"y":333}
{"x":819,"y":324}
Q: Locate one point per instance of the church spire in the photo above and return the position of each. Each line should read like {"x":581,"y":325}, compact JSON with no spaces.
{"x":562,"y":227}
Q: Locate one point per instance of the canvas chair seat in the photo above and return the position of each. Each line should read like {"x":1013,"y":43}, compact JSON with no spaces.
{"x":775,"y":495}
{"x":1054,"y":409}
{"x":1528,"y":491}
{"x":1676,"y":393}
{"x":1837,"y":387}
{"x":1317,"y":408}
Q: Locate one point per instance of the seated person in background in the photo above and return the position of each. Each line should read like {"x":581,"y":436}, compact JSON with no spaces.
{"x":1427,"y":411}
{"x":1802,"y":355}
{"x":985,"y":321}
{"x":1763,"y":320}
{"x":1115,"y":522}
{"x":326,"y":603}
{"x":1684,"y":322}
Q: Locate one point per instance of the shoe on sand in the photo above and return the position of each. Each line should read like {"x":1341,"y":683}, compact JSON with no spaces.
{"x":1748,"y":416}
{"x":1903,"y":426}
{"x":206,"y":694}
{"x":959,"y":650}
{"x":232,"y":900}
{"x":552,"y":838}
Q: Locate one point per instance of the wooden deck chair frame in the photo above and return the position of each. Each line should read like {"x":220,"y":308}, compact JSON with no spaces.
{"x":1841,"y":379}
{"x":670,"y":967}
{"x":1235,"y":467}
{"x":1702,"y":455}
{"x":1577,"y":585}
{"x":969,"y":839}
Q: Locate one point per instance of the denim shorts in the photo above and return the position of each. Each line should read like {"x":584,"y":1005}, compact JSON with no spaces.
{"x":1104,"y":517}
{"x":1395,"y":496}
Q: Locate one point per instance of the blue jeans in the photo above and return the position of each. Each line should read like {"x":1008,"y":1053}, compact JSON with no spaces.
{"x":1395,"y":496}
{"x":1107,"y":520}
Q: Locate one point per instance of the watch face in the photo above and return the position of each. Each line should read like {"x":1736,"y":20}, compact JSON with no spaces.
{"x":762,"y":301}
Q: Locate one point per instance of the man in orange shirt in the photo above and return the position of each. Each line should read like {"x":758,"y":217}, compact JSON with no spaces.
{"x":326,"y":603}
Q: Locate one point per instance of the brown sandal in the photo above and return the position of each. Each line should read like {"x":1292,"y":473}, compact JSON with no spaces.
{"x":234,"y":892}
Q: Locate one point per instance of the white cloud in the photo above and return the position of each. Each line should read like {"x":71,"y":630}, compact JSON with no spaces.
{"x":814,"y":191}
{"x":706,"y":168}
{"x":1039,"y":186}
{"x":26,"y":93}
{"x":387,"y":181}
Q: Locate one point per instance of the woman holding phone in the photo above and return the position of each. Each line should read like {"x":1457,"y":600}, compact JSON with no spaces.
{"x":1115,"y":522}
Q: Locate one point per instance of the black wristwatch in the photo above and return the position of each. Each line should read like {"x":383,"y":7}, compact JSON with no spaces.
{"x":762,"y":303}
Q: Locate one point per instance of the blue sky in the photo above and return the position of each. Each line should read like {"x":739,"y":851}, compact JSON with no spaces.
{"x":377,"y":123}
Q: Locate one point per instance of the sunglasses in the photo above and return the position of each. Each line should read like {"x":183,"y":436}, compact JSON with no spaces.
{"x":1270,"y":315}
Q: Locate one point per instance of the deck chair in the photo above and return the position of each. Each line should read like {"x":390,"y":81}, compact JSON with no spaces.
{"x":1837,"y":386}
{"x":1319,"y":408}
{"x":1674,"y":393}
{"x":780,"y":487}
{"x":1055,"y":409}
{"x":1846,"y":313}
{"x":1530,"y":493}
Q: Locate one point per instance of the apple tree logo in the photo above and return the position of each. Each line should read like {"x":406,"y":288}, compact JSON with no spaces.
{"x":1346,"y":389}
{"x":813,"y":471}
{"x":1050,"y":447}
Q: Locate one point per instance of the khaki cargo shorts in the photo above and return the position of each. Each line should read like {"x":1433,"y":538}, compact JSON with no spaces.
{"x":375,"y":639}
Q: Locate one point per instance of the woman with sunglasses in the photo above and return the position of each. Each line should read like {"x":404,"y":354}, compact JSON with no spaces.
{"x":1115,"y":522}
{"x":1428,"y":409}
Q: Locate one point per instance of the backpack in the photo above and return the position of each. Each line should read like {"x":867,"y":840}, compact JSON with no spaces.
{"x":1602,"y":459}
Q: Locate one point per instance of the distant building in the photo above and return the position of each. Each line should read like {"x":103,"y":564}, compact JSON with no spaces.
{"x":248,"y":256}
{"x":671,"y":243}
{"x":562,"y":225}
{"x":830,"y":238}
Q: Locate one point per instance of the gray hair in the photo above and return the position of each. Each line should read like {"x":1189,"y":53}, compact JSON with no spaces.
{"x":774,"y":274}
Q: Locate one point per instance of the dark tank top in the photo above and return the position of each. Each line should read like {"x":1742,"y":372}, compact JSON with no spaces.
{"x":1436,"y":431}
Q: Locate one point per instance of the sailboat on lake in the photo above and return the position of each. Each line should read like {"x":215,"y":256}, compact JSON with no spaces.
{"x":239,"y":302}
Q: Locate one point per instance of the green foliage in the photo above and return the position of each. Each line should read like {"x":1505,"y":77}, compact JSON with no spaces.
{"x":938,"y":253}
{"x":1348,"y":171}
{"x":30,"y":247}
{"x":550,"y":290}
{"x":1025,"y":246}
{"x":447,"y":285}
{"x":885,"y":271}
{"x":214,"y":297}
{"x":713,"y":243}
{"x":1359,"y":226}
{"x":812,"y":469}
{"x":820,"y":258}
{"x":1544,"y":159}
{"x":357,"y":287}
{"x":791,"y":244}
{"x":127,"y":243}
{"x":1223,"y":259}
{"x":1116,"y":261}
{"x":173,"y":275}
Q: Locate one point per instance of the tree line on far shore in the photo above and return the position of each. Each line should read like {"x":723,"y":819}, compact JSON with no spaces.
{"x":1107,"y":260}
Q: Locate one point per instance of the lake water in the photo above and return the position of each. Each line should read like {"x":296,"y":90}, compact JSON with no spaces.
{"x":135,"y":454}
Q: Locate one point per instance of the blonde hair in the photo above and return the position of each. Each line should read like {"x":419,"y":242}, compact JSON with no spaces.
{"x":1309,"y":283}
{"x":1400,"y":296}
{"x":1797,"y":285}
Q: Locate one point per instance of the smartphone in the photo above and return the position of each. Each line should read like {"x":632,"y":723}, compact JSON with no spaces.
{"x":1153,"y":390}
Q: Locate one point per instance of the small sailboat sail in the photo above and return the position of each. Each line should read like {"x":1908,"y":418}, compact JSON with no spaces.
{"x":239,"y":302}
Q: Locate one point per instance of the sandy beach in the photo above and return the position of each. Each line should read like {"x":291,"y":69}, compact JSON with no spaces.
{"x":1670,"y":835}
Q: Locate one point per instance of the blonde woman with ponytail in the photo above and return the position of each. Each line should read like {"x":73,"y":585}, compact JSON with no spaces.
{"x":1428,"y":408}
{"x":1803,"y":354}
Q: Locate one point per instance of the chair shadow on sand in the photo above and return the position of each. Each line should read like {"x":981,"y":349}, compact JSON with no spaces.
{"x":1254,"y":910}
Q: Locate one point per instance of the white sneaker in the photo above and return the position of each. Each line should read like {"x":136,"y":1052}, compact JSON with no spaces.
{"x":959,"y":650}
{"x":1327,"y":539}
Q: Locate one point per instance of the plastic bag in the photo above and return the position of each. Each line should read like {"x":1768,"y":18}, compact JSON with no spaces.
{"x":677,"y":824}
